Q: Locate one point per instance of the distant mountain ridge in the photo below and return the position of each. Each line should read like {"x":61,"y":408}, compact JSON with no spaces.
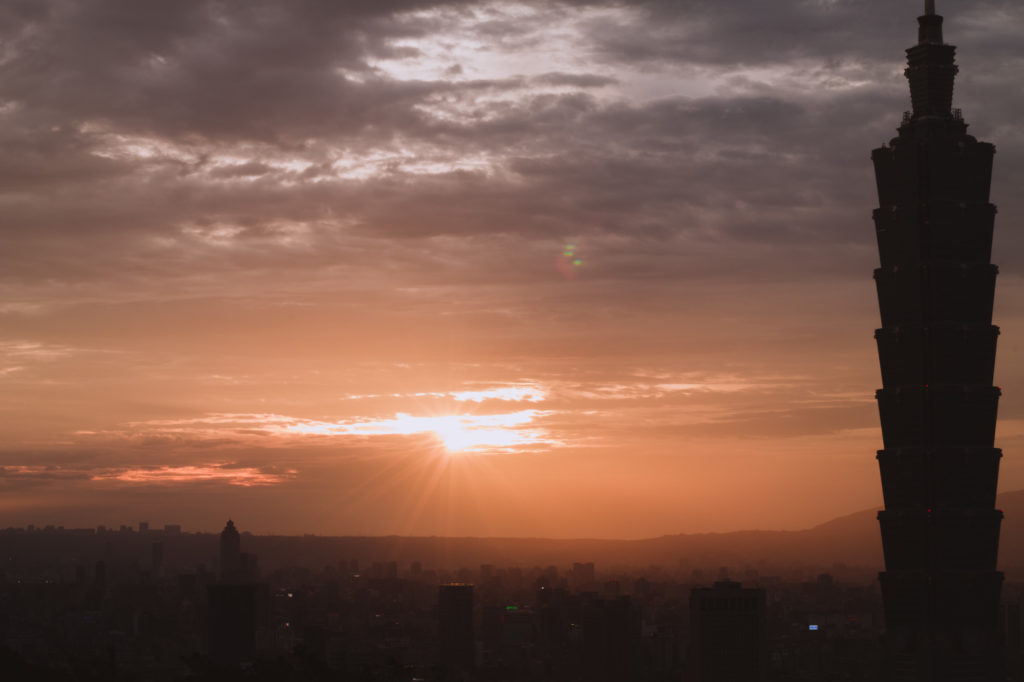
{"x":853,"y":540}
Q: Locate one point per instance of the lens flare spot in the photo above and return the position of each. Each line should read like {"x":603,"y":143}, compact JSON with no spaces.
{"x":569,"y":261}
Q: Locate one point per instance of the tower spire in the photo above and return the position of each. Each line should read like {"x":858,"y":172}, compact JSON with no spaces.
{"x":931,"y":68}
{"x":929,"y":25}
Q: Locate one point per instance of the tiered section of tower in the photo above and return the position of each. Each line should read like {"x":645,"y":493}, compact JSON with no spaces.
{"x":937,"y":347}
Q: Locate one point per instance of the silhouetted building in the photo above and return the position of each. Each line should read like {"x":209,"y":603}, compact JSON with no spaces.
{"x":250,"y":567}
{"x":232,"y":611}
{"x":1013,"y":633}
{"x":583,"y":574}
{"x":728,"y":633}
{"x":611,"y":640}
{"x":158,"y":559}
{"x":508,"y":635}
{"x":936,"y":347}
{"x":235,"y":605}
{"x":230,"y":553}
{"x":384,"y":570}
{"x":455,"y":629}
{"x":100,"y":576}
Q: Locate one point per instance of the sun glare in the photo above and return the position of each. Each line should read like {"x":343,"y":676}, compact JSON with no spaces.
{"x":465,"y":432}
{"x":462,"y":433}
{"x":458,"y":433}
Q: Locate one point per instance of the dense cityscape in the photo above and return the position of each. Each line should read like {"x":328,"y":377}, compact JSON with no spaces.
{"x":140,"y":612}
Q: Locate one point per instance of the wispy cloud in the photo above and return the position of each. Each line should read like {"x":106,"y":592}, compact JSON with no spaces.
{"x":230,"y":473}
{"x":533,"y":393}
{"x":244,"y":476}
{"x":496,"y":432}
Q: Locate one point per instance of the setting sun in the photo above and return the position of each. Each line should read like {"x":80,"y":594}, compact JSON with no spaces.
{"x":460,"y":432}
{"x":471,"y":432}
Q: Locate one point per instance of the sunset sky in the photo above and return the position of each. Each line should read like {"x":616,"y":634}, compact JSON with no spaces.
{"x":466,"y":268}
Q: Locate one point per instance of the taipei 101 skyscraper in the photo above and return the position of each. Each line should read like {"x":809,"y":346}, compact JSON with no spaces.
{"x":937,"y":349}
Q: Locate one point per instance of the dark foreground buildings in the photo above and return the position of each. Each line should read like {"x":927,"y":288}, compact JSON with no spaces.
{"x":728,"y":633}
{"x":235,"y":606}
{"x":456,"y":632}
{"x":937,"y":347}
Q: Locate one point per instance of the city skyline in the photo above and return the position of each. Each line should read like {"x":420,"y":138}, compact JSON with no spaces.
{"x":554,"y":269}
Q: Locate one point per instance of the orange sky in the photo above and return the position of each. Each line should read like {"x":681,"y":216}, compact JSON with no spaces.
{"x":545,"y":269}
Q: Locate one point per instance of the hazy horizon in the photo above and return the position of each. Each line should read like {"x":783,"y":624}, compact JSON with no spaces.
{"x":215,"y":527}
{"x":557,"y":269}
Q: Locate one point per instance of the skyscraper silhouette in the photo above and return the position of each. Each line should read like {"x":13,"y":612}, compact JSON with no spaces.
{"x":230,"y":553}
{"x":236,"y":606}
{"x":936,"y":348}
{"x":728,"y":633}
{"x":456,"y":632}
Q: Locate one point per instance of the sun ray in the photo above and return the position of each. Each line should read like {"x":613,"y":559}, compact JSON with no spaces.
{"x":434,"y":469}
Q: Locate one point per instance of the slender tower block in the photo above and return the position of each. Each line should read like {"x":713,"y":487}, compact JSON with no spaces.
{"x":937,"y":349}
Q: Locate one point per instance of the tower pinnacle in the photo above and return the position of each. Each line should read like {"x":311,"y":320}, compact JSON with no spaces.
{"x":929,"y":25}
{"x":931,"y":68}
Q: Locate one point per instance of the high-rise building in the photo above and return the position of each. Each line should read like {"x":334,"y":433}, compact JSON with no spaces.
{"x":158,"y":559}
{"x":728,"y":633}
{"x":236,"y":606}
{"x":233,"y":613}
{"x":230,"y":553}
{"x":583,"y":574}
{"x":936,"y":347}
{"x":455,"y":629}
{"x":611,"y":640}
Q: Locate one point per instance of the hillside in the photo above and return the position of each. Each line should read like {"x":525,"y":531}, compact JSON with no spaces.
{"x":852,"y":540}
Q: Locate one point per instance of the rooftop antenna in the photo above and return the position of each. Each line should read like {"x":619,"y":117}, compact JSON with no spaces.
{"x":930,"y":24}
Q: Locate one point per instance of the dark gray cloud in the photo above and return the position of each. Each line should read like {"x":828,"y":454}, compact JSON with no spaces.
{"x":220,"y":71}
{"x":265,"y":81}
